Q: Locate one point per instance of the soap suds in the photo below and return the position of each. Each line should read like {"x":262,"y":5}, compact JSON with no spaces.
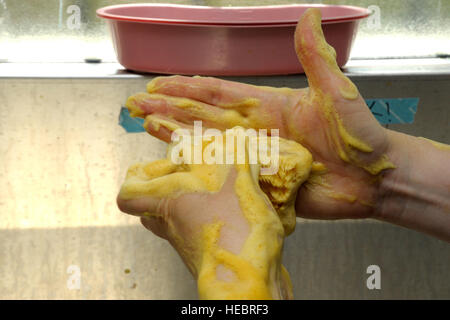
{"x":257,"y":267}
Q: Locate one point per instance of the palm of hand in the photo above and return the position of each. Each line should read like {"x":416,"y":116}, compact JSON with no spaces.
{"x":329,"y":118}
{"x":173,"y":201}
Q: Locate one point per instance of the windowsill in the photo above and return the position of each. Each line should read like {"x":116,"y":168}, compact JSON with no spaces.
{"x":363,"y":69}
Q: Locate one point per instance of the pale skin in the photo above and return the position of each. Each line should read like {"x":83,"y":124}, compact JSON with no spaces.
{"x":234,"y":236}
{"x":411,"y":187}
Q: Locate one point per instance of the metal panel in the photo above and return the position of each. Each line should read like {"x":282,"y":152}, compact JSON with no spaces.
{"x":63,"y":157}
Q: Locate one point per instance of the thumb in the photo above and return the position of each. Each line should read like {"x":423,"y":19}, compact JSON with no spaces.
{"x":157,"y":225}
{"x":138,"y":194}
{"x":151,"y":211}
{"x":318,"y":58}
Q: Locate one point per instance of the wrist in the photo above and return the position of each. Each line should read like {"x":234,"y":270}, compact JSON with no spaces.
{"x":387,"y":208}
{"x":415,"y":194}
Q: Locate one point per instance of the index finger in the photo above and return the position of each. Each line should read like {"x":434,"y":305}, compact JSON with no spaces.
{"x":216,"y":92}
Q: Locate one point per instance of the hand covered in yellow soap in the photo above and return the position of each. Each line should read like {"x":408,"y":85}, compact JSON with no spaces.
{"x":329,"y":118}
{"x":218,"y":218}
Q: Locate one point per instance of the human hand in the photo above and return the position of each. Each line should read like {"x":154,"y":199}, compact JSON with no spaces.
{"x":329,"y":118}
{"x":218,"y":218}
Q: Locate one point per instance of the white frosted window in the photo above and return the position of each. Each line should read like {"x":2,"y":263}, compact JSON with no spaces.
{"x":69,"y":30}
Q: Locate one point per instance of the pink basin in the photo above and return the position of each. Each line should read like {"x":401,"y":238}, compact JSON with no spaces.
{"x":196,"y":40}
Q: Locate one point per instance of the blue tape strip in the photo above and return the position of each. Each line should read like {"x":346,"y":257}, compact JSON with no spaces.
{"x":389,"y":111}
{"x":129,"y":123}
{"x":386,"y":111}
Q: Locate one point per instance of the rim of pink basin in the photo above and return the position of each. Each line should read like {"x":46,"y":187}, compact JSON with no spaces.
{"x":242,"y":16}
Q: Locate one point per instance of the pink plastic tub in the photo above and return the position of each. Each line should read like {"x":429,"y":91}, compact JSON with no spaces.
{"x":196,"y":40}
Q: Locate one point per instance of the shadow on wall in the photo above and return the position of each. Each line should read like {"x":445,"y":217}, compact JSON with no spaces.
{"x":326,"y":260}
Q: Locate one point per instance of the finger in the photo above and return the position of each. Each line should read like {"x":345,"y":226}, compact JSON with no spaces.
{"x":163,"y":127}
{"x":144,"y":206}
{"x":185,"y":110}
{"x":176,"y":180}
{"x":157,"y":225}
{"x":318,"y":58}
{"x":216,"y":92}
{"x":149,"y":209}
{"x":148,"y":171}
{"x":144,"y":184}
{"x":147,"y":187}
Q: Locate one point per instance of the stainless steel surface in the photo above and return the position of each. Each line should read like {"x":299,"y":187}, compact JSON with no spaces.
{"x":63,"y":157}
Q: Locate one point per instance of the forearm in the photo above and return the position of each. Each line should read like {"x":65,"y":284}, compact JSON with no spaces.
{"x":416,"y":194}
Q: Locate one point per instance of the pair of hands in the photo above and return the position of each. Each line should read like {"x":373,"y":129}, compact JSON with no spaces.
{"x":329,"y":118}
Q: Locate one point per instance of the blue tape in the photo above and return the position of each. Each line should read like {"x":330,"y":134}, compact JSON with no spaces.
{"x":386,"y":111}
{"x":389,"y":111}
{"x":129,"y":123}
